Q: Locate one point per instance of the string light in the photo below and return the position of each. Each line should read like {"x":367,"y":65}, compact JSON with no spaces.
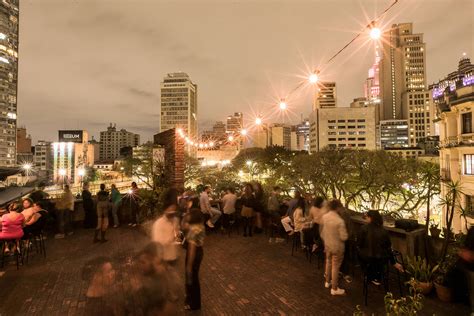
{"x":374,"y":33}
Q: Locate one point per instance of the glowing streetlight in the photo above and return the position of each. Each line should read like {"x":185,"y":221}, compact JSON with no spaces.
{"x":243,"y":132}
{"x":211,"y":144}
{"x":27,"y":166}
{"x":230,"y":138}
{"x":248,"y":163}
{"x":258,"y":121}
{"x":283,"y":105}
{"x":313,"y":78}
{"x":375,"y":33}
{"x":62,"y":172}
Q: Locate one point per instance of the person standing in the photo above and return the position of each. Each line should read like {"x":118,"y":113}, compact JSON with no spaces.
{"x":65,"y":211}
{"x":259,"y":207}
{"x":102,"y":214}
{"x":316,"y":212}
{"x":88,"y":205}
{"x":207,"y":209}
{"x":334,"y":234}
{"x":228,"y":205}
{"x":194,"y":255}
{"x":116,"y":198}
{"x":166,"y":228}
{"x":249,"y":204}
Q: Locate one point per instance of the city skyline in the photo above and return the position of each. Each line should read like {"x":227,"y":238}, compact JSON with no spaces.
{"x":108,"y":63}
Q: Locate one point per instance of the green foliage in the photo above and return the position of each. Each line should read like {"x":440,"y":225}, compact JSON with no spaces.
{"x":420,"y":269}
{"x":404,"y":306}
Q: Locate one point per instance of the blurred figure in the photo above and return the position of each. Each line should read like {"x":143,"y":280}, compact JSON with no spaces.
{"x":300,"y":220}
{"x":166,"y":228}
{"x":228,"y":206}
{"x":27,"y":203}
{"x":12,"y":223}
{"x":316,"y":212}
{"x":334,"y":234}
{"x":102,"y":214}
{"x":88,"y":205}
{"x":259,"y":207}
{"x":194,"y":254}
{"x":100,"y":275}
{"x":134,"y":205}
{"x":207,"y":209}
{"x":115,"y":198}
{"x":39,"y":194}
{"x":249,"y":204}
{"x":287,"y":221}
{"x":274,"y":203}
{"x":37,"y":221}
{"x":65,"y":212}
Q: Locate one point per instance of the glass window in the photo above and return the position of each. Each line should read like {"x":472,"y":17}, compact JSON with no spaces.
{"x":467,"y":123}
{"x":469,"y":204}
{"x":468,"y":164}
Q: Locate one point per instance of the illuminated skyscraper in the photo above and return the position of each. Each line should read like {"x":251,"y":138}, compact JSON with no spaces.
{"x":403,"y":86}
{"x":179,"y":104}
{"x":325,"y":95}
{"x":9,"y":77}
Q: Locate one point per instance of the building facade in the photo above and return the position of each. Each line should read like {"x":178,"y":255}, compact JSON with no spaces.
{"x":235,"y":123}
{"x":325,"y":95}
{"x":24,"y":154}
{"x":280,"y":135}
{"x":72,"y":154}
{"x":43,"y":160}
{"x":343,"y":127}
{"x":393,"y":134}
{"x":403,"y":88}
{"x":9,"y":14}
{"x":179,"y":107}
{"x":112,"y":140}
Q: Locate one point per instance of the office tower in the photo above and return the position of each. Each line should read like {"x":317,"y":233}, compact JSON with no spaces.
{"x":393,"y":134}
{"x":403,"y":86}
{"x":280,"y":135}
{"x":179,"y":104}
{"x":325,"y":95}
{"x":112,"y":140}
{"x":300,"y":136}
{"x":260,"y":136}
{"x":343,"y":127}
{"x":9,"y":77}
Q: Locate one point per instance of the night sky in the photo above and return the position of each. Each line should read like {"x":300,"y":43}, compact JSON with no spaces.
{"x":86,"y":63}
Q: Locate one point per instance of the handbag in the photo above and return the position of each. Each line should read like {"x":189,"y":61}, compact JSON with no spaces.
{"x":247,"y":211}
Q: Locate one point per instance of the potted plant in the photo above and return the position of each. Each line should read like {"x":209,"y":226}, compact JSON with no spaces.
{"x":443,"y":282}
{"x":422,"y":273}
{"x":435,"y":231}
{"x":406,"y":305}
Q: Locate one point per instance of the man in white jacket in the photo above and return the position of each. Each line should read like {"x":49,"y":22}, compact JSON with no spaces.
{"x":334,"y":234}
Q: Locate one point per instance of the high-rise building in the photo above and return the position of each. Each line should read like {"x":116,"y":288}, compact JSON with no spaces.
{"x":260,"y":136}
{"x":43,"y":160}
{"x":280,"y":135}
{"x":112,"y":140}
{"x":325,"y":95}
{"x":179,"y":104}
{"x":393,"y":134}
{"x":71,"y":155}
{"x":235,"y":123}
{"x":372,"y":83}
{"x":300,"y":136}
{"x":9,"y":77}
{"x":403,"y":86}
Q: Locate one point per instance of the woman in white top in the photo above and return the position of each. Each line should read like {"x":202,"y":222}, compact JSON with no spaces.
{"x":299,"y":218}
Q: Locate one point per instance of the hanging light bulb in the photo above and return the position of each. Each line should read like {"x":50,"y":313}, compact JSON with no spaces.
{"x":375,"y":32}
{"x":314,"y":78}
{"x":283,"y":105}
{"x":258,"y":121}
{"x":243,"y":132}
{"x":211,"y":144}
{"x":230,"y":138}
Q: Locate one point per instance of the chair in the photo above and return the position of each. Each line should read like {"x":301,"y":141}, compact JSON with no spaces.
{"x":385,"y":274}
{"x":18,"y":251}
{"x":37,"y":239}
{"x":295,"y":243}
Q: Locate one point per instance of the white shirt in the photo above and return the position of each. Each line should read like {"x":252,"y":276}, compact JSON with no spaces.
{"x":164,"y":232}
{"x":229,"y":203}
{"x":204,"y":202}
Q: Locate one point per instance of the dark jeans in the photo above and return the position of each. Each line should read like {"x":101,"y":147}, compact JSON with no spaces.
{"x":349,"y":257}
{"x":134,"y":213}
{"x":193,"y":289}
{"x":65,"y":219}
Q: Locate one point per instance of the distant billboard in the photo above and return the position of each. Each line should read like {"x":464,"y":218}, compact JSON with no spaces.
{"x":71,"y":136}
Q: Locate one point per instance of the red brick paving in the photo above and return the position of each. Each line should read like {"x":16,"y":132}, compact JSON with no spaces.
{"x":240,"y":276}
